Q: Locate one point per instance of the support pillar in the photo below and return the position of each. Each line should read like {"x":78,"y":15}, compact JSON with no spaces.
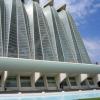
{"x":3,"y":79}
{"x":18,"y":82}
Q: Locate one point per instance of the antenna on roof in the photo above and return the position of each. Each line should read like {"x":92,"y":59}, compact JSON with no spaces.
{"x":49,"y":3}
{"x":63,"y":7}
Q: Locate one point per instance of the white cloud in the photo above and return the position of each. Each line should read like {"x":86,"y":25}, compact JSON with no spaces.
{"x":93,"y":48}
{"x":81,"y":8}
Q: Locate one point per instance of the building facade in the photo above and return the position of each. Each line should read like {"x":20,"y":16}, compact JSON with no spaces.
{"x":53,"y":35}
{"x":31,"y":32}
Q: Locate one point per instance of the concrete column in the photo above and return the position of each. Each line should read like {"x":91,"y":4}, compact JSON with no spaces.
{"x":95,"y":81}
{"x":87,"y":82}
{"x":33,"y":81}
{"x":69,"y":82}
{"x":18,"y":82}
{"x":3,"y":79}
{"x":45,"y":81}
{"x":78,"y":81}
{"x":58,"y":81}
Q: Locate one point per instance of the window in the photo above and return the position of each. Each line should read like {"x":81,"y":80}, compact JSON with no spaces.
{"x":72,"y":81}
{"x":64,"y":83}
{"x":11,"y":81}
{"x":90,"y":80}
{"x":83,"y":83}
{"x":25,"y":81}
{"x":51,"y":81}
{"x":40,"y":82}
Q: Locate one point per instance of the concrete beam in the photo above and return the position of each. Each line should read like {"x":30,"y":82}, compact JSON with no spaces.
{"x":30,"y":65}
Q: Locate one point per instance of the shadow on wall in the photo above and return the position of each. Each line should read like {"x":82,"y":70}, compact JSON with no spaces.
{"x":98,"y":83}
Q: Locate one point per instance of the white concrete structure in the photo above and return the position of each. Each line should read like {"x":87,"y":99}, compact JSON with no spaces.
{"x":63,"y":75}
{"x":41,"y":49}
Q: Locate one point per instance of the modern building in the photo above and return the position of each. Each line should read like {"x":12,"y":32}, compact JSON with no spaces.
{"x":30,"y":38}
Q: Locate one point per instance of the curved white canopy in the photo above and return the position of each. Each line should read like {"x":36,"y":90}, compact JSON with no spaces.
{"x":18,"y":64}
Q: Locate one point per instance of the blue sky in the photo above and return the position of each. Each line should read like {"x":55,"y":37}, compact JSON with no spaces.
{"x":86,"y":14}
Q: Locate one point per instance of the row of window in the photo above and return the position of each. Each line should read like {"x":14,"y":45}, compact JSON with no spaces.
{"x":73,"y":82}
{"x":25,"y":81}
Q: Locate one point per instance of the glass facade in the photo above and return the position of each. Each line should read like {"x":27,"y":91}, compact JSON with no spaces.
{"x":11,"y":81}
{"x":46,"y":47}
{"x":2,"y":27}
{"x":23,"y":43}
{"x":13,"y":47}
{"x":90,"y":80}
{"x":73,"y":81}
{"x":25,"y":81}
{"x":63,"y":83}
{"x":81,"y":52}
{"x":51,"y":81}
{"x":84,"y":83}
{"x":1,"y":45}
{"x":39,"y":33}
{"x":38,"y":45}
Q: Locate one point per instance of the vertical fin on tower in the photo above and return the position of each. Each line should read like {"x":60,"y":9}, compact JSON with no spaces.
{"x":62,"y":7}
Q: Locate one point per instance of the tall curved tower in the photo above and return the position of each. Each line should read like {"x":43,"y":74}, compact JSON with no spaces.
{"x":18,"y":37}
{"x":58,"y":30}
{"x":81,"y":52}
{"x":43,"y":46}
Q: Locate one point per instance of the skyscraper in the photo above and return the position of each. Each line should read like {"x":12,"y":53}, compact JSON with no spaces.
{"x":51,"y":35}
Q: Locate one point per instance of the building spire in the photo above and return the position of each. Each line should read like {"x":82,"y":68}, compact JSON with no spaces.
{"x":62,"y":7}
{"x":49,"y":2}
